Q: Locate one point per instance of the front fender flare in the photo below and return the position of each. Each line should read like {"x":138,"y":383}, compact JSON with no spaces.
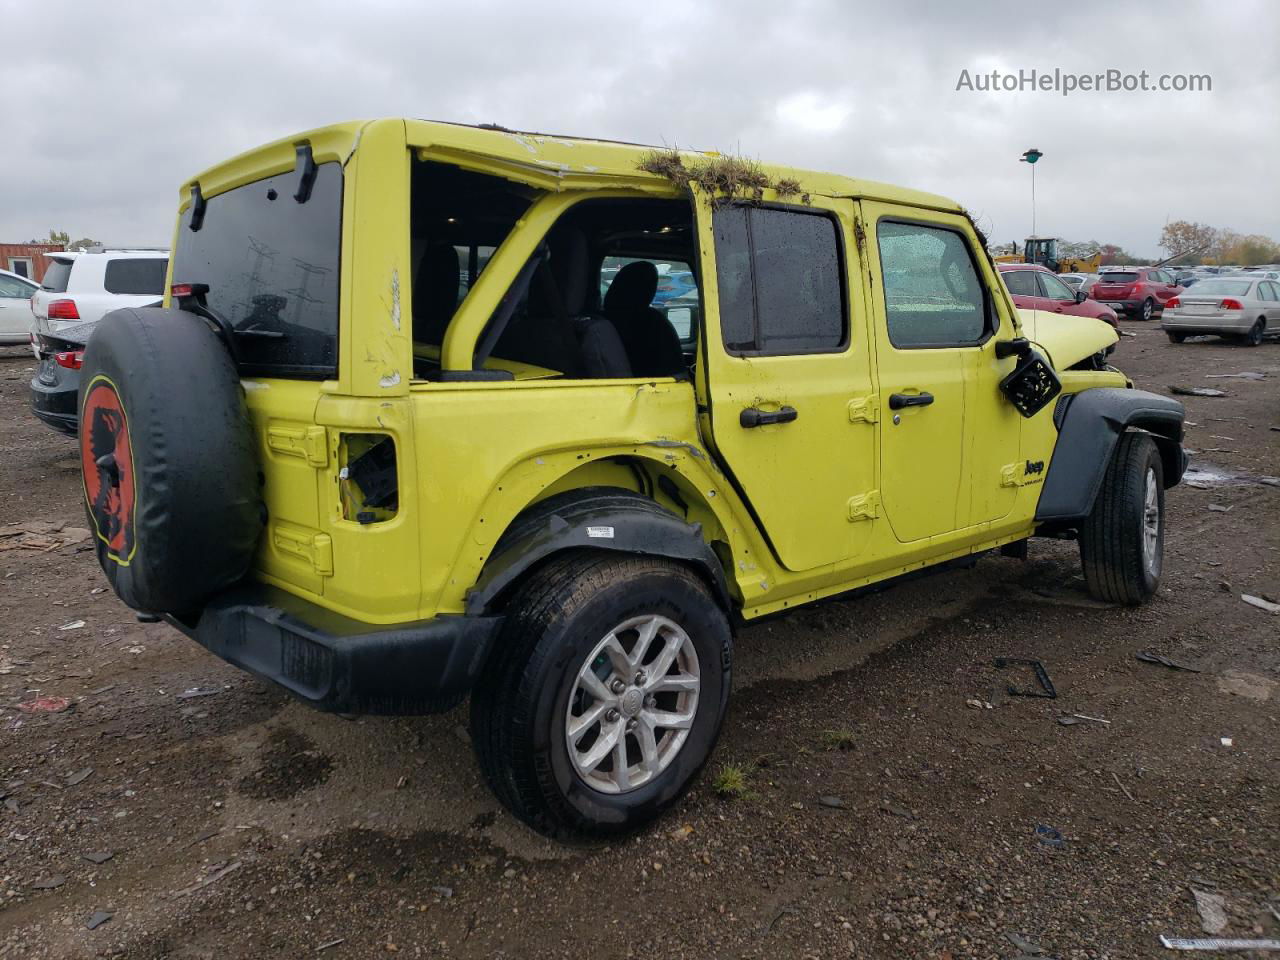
{"x":597,"y":518}
{"x":1089,"y":425}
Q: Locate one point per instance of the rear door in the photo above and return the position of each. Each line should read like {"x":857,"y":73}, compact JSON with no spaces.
{"x":791,"y":403}
{"x":1026,"y":293}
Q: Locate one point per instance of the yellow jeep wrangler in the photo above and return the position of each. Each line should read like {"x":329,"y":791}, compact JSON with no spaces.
{"x":434,"y":409}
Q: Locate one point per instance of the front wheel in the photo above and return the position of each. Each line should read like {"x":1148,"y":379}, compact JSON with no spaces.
{"x":1122,"y":540}
{"x":605,"y":695}
{"x":1148,"y":308}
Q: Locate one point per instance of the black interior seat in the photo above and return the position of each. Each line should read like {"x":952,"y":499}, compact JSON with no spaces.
{"x":435,"y":293}
{"x":651,"y":343}
{"x":556,"y":330}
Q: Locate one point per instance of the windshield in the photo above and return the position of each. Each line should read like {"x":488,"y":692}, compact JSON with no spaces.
{"x":271,"y":264}
{"x":1233,"y":288}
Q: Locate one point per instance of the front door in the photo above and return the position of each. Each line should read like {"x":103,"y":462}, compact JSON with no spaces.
{"x":789,"y":388}
{"x":947,"y":433}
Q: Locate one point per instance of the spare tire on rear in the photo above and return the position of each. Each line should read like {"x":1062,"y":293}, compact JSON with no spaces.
{"x":171,"y":481}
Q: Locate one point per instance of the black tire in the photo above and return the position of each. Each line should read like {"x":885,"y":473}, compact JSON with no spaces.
{"x":1256,"y":334}
{"x":1176,"y":337}
{"x":520,"y":703}
{"x":1148,"y":308}
{"x":171,"y":480}
{"x":1117,"y":567}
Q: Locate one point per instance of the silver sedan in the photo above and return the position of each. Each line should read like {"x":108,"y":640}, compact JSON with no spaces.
{"x":1242,"y":308}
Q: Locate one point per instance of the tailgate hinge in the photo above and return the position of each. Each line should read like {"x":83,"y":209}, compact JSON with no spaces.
{"x":1021,"y":474}
{"x":865,"y":506}
{"x":315,"y":548}
{"x":308,"y":442}
{"x":865,"y":409}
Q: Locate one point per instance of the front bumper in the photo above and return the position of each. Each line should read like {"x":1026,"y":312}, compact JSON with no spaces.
{"x":341,"y":665}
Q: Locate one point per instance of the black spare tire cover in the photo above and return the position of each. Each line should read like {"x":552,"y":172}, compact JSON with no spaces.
{"x":171,"y":481}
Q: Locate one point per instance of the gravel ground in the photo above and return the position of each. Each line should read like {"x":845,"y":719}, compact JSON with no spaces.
{"x":883,"y":815}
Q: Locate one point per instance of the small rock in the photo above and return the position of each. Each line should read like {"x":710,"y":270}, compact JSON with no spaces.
{"x":100,"y":856}
{"x":1213,"y":911}
{"x":835,"y":803}
{"x":80,"y":776}
{"x":98,"y":919}
{"x":50,"y":883}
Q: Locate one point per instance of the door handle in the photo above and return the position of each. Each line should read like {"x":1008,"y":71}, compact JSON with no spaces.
{"x":899,"y":400}
{"x":755,"y":417}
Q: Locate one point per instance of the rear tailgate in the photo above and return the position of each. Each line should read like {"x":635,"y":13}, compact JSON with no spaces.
{"x":1115,"y":286}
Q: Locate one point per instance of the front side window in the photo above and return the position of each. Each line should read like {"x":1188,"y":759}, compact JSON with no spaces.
{"x":933,"y":297}
{"x":780,"y":281}
{"x":142,"y":276}
{"x":271,"y":264}
{"x":1055,"y":289}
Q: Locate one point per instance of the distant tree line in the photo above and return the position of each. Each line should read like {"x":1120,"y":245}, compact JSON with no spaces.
{"x":62,"y":237}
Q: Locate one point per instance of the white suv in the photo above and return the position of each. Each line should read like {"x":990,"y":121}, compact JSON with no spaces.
{"x":81,"y":287}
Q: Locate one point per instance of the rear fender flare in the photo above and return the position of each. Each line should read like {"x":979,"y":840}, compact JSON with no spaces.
{"x":598,"y":518}
{"x":1089,"y":425}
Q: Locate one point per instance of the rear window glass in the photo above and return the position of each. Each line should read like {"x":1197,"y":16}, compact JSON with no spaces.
{"x":56,"y":277}
{"x":1234,"y":288}
{"x":1021,"y":283}
{"x":1118,"y":276}
{"x":779,"y":280}
{"x":271,"y":264}
{"x":136,"y":276}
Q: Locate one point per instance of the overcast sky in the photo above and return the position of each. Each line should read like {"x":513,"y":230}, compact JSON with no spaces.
{"x":110,"y":106}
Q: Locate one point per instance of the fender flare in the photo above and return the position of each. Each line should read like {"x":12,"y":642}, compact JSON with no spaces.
{"x":1089,"y":426}
{"x":596,"y":518}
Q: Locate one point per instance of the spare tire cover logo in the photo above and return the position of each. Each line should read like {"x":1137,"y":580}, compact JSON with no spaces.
{"x":106,"y":459}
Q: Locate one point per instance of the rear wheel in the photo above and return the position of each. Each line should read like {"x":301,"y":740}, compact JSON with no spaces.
{"x":1148,"y":308}
{"x":1176,"y":337}
{"x":606,"y":694}
{"x":1254,"y":337}
{"x":1122,"y":541}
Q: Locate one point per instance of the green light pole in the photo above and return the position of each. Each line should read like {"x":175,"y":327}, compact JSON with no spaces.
{"x":1031,"y":156}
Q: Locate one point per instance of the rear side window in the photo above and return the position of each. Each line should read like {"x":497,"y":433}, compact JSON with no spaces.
{"x":140,"y":276}
{"x":932,"y":294}
{"x":271,"y":264}
{"x":780,"y":283}
{"x":56,"y":277}
{"x":1021,"y":283}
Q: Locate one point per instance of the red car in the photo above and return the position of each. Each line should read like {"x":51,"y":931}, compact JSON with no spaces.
{"x":1037,"y":288}
{"x":1139,"y":291}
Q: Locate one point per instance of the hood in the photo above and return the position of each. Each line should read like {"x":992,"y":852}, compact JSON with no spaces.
{"x":1066,"y":339}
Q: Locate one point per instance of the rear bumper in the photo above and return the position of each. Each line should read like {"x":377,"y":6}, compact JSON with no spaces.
{"x":56,"y":405}
{"x":1122,"y":307}
{"x":1192,"y":324}
{"x":341,"y":665}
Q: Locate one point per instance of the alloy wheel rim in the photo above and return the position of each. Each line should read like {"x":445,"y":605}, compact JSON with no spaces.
{"x":1151,"y":522}
{"x":633,"y":704}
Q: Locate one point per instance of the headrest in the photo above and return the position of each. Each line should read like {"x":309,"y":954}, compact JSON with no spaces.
{"x":633,"y":288}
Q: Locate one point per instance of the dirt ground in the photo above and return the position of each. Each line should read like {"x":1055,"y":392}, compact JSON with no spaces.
{"x":884,"y":816}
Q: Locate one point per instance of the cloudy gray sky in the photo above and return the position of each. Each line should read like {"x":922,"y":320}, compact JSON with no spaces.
{"x":111,"y":106}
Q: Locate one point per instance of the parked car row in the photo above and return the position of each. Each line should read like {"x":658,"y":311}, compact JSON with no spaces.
{"x":77,"y":290}
{"x":1038,"y":288}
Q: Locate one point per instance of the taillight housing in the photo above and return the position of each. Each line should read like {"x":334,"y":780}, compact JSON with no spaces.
{"x":63,"y":310}
{"x":1173,"y":302}
{"x":71,"y":359}
{"x":1231,"y":304}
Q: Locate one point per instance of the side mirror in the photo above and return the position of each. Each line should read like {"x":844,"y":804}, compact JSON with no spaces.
{"x":1081,"y":296}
